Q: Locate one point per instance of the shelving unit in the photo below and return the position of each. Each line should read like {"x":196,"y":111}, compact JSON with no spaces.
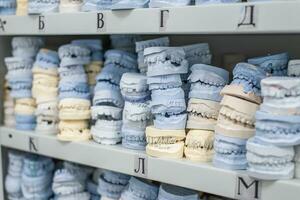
{"x":198,"y":176}
{"x":268,"y":18}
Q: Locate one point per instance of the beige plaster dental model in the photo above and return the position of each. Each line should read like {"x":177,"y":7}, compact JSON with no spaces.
{"x":236,"y":117}
{"x":74,"y":130}
{"x":202,"y":114}
{"x":199,"y":145}
{"x":25,"y":106}
{"x":74,"y":109}
{"x":22,"y":6}
{"x":165,"y":143}
{"x":68,"y":6}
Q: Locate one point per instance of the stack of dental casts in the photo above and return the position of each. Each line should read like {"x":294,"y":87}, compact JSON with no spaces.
{"x":8,"y":104}
{"x":37,"y":177}
{"x":270,"y":153}
{"x":45,"y":91}
{"x":142,"y":45}
{"x":14,"y":175}
{"x":235,"y":124}
{"x":108,"y":102}
{"x":8,"y":7}
{"x":92,"y":185}
{"x":111,"y":185}
{"x":69,"y":182}
{"x":168,"y":106}
{"x":74,"y":93}
{"x":93,"y":68}
{"x":139,"y":189}
{"x":136,"y":112}
{"x":203,"y":110}
{"x":19,"y":79}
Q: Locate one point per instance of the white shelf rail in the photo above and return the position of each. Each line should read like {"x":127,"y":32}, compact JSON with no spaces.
{"x":240,"y":18}
{"x":198,"y":176}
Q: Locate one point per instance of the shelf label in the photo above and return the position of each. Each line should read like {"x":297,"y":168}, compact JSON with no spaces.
{"x":247,"y":188}
{"x":100,"y":21}
{"x":41,"y":22}
{"x":33,"y":144}
{"x":248,"y":17}
{"x":164,"y":16}
{"x":141,"y":165}
{"x":2,"y":24}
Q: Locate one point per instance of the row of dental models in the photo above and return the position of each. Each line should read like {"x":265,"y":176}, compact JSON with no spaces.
{"x":36,"y":177}
{"x":24,"y":7}
{"x":176,"y":90}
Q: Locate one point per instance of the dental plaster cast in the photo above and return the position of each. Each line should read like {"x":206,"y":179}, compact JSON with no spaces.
{"x":168,"y":3}
{"x":139,"y":189}
{"x":108,"y":97}
{"x":111,"y":184}
{"x":110,"y":76}
{"x":199,"y":145}
{"x":273,"y":65}
{"x":74,"y":109}
{"x":281,"y":95}
{"x":202,"y":114}
{"x":47,"y":117}
{"x":172,"y":192}
{"x":25,"y":106}
{"x":297,"y":161}
{"x":200,"y":2}
{"x":107,"y":131}
{"x":92,"y":70}
{"x":69,"y":71}
{"x":269,"y":162}
{"x":26,"y":47}
{"x":125,"y":61}
{"x":12,"y":182}
{"x":142,"y":45}
{"x":134,"y":87}
{"x":96,"y":5}
{"x":22,"y":6}
{"x":168,"y":107}
{"x":70,"y":6}
{"x":129,"y":4}
{"x":246,"y":83}
{"x":46,"y":62}
{"x":230,"y":153}
{"x":8,"y":7}
{"x":67,"y":182}
{"x":294,"y":68}
{"x":73,"y":130}
{"x":9,"y":105}
{"x":41,"y":7}
{"x":279,"y":130}
{"x":164,"y":82}
{"x":197,"y":53}
{"x":92,"y":188}
{"x":136,"y":111}
{"x":207,"y":82}
{"x":71,"y":89}
{"x":44,"y":88}
{"x":106,"y":112}
{"x":165,"y":143}
{"x":37,"y":177}
{"x":75,"y":196}
{"x":71,"y":54}
{"x":236,"y":118}
{"x":124,"y":42}
{"x":165,"y":61}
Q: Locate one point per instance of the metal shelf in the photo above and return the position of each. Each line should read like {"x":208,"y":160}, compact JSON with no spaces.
{"x":268,"y":17}
{"x":198,"y":176}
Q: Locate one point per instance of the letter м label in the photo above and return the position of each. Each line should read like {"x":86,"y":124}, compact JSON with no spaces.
{"x":247,"y":188}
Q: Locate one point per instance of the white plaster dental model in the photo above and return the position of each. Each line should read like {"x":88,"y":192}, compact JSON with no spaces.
{"x":47,"y":117}
{"x":236,"y":117}
{"x":165,"y":61}
{"x":199,"y":145}
{"x":202,"y":114}
{"x":281,"y":95}
{"x":268,"y":162}
{"x":140,"y":46}
{"x":165,"y":143}
{"x":198,"y":53}
{"x":294,"y":68}
{"x":26,"y":47}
